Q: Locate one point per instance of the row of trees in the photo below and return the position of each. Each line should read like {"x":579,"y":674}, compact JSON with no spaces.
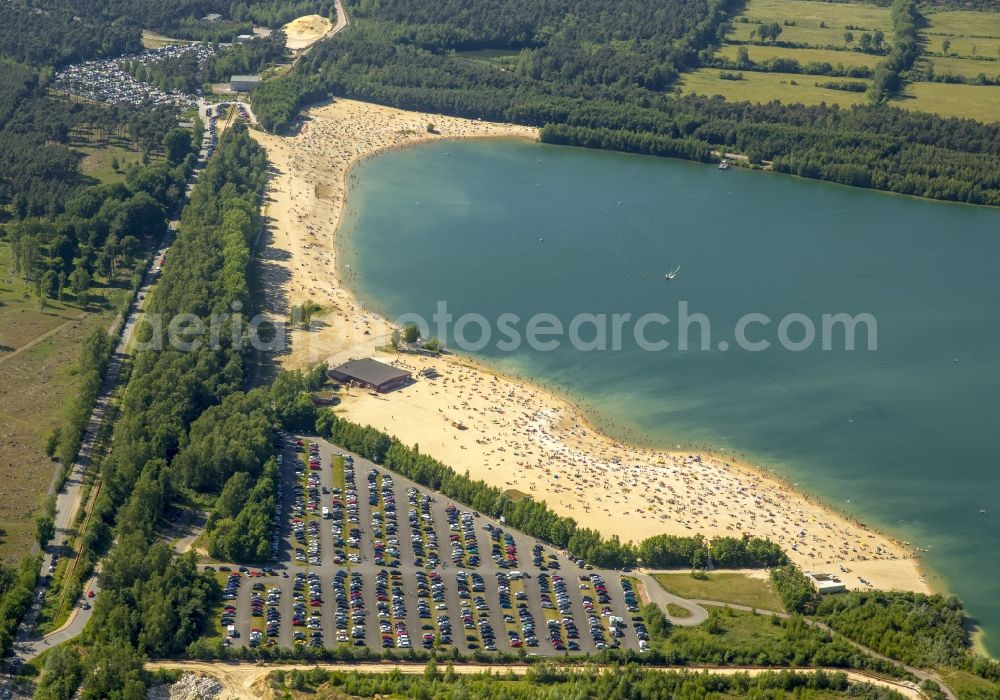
{"x":542,"y":682}
{"x":17,"y":584}
{"x":788,"y":65}
{"x":154,"y":602}
{"x":871,"y":145}
{"x":892,"y":72}
{"x":535,"y":518}
{"x":94,"y":357}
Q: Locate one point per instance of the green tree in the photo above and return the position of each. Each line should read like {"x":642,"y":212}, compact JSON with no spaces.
{"x":945,"y":46}
{"x":848,"y":37}
{"x":79,"y":280}
{"x":743,"y":57}
{"x":50,"y":284}
{"x":45,"y":528}
{"x":129,"y":248}
{"x":410,"y":333}
{"x":769,"y":32}
{"x":177,"y":144}
{"x":61,"y":674}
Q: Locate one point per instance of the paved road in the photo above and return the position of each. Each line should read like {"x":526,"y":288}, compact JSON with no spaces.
{"x":656,"y":594}
{"x":69,"y":497}
{"x":439,"y":523}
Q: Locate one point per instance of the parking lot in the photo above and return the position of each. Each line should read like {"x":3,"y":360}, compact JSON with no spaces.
{"x":366,"y":557}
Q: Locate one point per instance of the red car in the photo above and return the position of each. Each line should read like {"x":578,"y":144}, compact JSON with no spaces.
{"x":90,"y":594}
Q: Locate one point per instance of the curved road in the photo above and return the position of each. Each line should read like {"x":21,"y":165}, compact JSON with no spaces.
{"x":657,"y":594}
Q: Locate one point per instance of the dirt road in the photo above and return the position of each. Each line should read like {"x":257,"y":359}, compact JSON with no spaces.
{"x":246,"y":680}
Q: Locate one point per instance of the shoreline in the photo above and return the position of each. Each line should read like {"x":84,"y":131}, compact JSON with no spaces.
{"x":516,"y":434}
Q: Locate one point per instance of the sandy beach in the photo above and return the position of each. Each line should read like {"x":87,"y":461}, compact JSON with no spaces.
{"x":513,"y":434}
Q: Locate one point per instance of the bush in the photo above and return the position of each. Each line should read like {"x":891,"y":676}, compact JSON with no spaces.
{"x":795,"y":588}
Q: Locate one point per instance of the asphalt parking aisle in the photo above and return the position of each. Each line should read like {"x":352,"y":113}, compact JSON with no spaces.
{"x":481,"y":527}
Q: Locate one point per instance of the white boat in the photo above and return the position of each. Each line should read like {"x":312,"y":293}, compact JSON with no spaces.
{"x":673,"y":273}
{"x":724,"y":165}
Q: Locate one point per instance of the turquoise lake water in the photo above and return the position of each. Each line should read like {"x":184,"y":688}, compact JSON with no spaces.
{"x":905,"y":437}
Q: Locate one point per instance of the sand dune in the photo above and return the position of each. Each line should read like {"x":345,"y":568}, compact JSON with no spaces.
{"x":305,"y":31}
{"x":518,"y":436}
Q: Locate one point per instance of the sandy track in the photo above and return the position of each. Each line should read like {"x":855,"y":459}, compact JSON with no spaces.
{"x":245,"y":680}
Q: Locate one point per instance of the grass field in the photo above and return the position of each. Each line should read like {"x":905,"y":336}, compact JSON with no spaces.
{"x":35,"y":384}
{"x":809,"y":36}
{"x":815,"y":23}
{"x":963,"y":45}
{"x":739,"y":631}
{"x":970,"y":33}
{"x":152,"y":40}
{"x":808,"y":13}
{"x":723,"y":587}
{"x":980,"y":102}
{"x":760,"y":54}
{"x":677,"y":611}
{"x":764,"y":87}
{"x":964,"y":23}
{"x":965,"y":67}
{"x":968,"y":685}
{"x":98,"y":162}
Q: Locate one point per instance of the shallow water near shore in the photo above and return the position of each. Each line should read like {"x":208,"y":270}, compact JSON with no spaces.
{"x":903,"y":437}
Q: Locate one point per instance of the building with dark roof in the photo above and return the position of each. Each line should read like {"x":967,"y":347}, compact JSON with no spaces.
{"x":243,"y":83}
{"x":372,"y":374}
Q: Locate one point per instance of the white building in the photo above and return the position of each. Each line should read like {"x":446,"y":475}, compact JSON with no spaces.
{"x":826,"y":583}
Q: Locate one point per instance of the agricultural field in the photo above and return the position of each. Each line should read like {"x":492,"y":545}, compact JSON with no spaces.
{"x":760,"y":54}
{"x":811,"y":23}
{"x":816,"y":32}
{"x":964,"y":67}
{"x":969,"y":33}
{"x":980,"y":102}
{"x":764,"y":87}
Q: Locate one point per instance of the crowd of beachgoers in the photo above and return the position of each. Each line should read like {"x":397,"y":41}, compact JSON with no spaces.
{"x":505,"y":430}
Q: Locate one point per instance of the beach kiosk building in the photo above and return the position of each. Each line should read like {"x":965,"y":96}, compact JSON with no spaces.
{"x":372,"y":374}
{"x":826,"y":583}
